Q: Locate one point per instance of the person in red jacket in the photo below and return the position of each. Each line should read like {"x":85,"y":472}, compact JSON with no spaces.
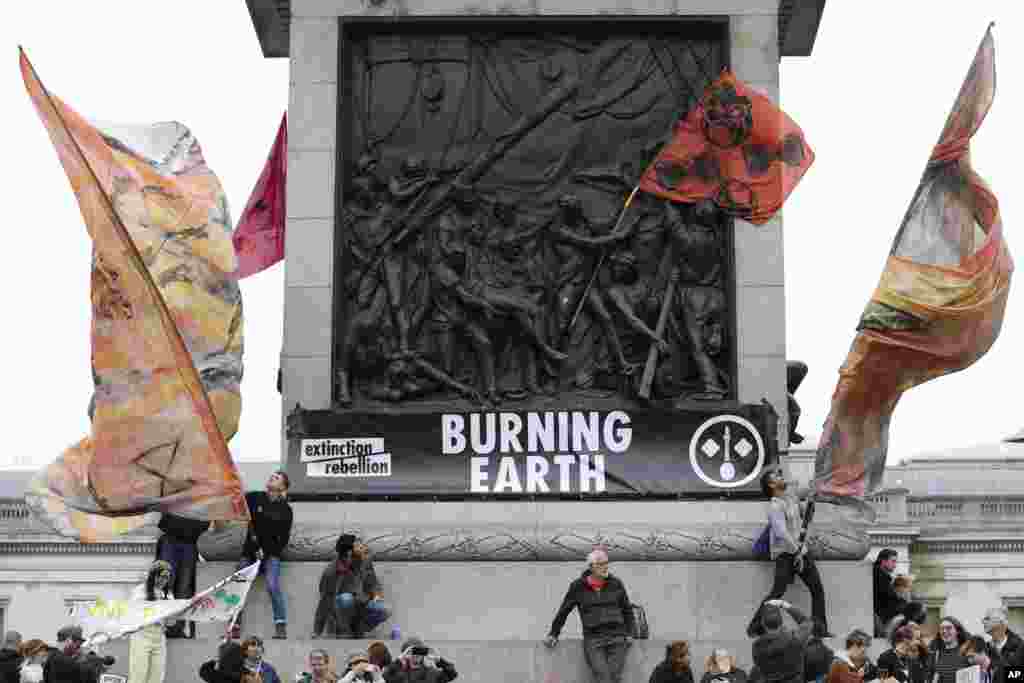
{"x":607,"y":617}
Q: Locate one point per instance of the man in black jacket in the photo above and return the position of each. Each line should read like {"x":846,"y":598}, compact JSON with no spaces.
{"x":418,"y":663}
{"x":887,"y":602}
{"x":10,"y":660}
{"x":70,"y":664}
{"x":270,"y":529}
{"x":1006,"y":648}
{"x":607,"y":617}
{"x":779,"y":654}
{"x":177,"y":547}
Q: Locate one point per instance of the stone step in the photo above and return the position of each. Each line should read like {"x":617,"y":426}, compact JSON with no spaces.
{"x":476,"y":661}
{"x":516,"y":601}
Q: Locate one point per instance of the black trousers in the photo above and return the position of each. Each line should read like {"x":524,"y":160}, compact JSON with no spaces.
{"x":606,"y":658}
{"x":785,"y":574}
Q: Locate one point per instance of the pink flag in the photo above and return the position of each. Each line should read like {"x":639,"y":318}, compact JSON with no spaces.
{"x":259,"y":237}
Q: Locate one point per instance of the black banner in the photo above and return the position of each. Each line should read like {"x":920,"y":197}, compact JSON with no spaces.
{"x":714,"y":449}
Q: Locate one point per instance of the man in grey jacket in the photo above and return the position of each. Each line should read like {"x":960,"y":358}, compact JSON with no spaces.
{"x":785,"y":518}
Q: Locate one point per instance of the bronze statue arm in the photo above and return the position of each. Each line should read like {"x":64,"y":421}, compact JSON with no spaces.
{"x":632,"y":318}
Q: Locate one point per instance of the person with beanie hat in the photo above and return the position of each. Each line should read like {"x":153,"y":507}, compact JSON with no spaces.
{"x":420,"y":664}
{"x":360,"y":669}
{"x":675,"y":668}
{"x":350,"y":593}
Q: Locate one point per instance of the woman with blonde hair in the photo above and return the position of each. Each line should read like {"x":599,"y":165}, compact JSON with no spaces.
{"x":720,"y":667}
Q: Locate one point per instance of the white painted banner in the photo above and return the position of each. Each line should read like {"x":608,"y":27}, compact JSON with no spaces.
{"x":104,"y":620}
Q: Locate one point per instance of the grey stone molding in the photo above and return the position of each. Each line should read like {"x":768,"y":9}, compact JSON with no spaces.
{"x":507,"y":543}
{"x":75,"y":548}
{"x":969,"y":546}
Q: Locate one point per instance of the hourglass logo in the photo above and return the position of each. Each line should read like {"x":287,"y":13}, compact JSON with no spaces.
{"x":727,"y":452}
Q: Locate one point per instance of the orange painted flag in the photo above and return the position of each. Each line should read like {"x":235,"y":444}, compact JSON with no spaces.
{"x":938,"y":307}
{"x":161,"y":297}
{"x":735,"y":147}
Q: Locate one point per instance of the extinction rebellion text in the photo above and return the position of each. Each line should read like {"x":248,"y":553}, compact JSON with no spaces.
{"x":572,"y":442}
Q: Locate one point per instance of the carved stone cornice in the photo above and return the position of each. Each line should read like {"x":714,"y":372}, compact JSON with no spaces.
{"x":65,"y":548}
{"x":958,"y":546}
{"x":508,"y":543}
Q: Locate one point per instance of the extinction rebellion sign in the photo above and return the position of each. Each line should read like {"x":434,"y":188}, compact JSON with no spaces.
{"x":534,"y":453}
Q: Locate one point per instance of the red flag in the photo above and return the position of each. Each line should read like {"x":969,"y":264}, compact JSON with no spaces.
{"x":259,"y":237}
{"x":938,"y":307}
{"x":736,"y":148}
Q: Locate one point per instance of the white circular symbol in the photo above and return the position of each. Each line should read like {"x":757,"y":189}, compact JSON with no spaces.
{"x":734,"y":442}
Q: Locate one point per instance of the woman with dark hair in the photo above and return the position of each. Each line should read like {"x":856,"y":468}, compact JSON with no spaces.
{"x":227,"y":668}
{"x":950,"y":651}
{"x":260,"y":671}
{"x":902,"y":661}
{"x":675,"y":668}
{"x":147,"y":652}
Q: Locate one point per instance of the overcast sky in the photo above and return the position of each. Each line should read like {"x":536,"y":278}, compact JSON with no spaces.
{"x":871,"y":99}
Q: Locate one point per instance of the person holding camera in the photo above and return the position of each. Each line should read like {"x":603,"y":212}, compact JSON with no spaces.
{"x":607,"y":617}
{"x":779,"y":653}
{"x":360,"y":669}
{"x":420,"y":664}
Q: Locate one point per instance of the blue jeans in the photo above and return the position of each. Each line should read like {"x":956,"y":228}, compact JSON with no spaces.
{"x":270,"y":567}
{"x":371,"y":614}
{"x":182,"y":557}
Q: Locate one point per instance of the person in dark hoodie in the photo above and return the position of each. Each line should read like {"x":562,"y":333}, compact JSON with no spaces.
{"x":901,"y":661}
{"x":350,"y":594}
{"x":607,"y":617}
{"x":270,"y":529}
{"x":779,"y":652}
{"x":420,"y":664}
{"x":227,"y":668}
{"x":948,"y":652}
{"x":675,"y":668}
{"x":10,"y":660}
{"x":1006,"y":647}
{"x":177,"y":546}
{"x":818,"y":658}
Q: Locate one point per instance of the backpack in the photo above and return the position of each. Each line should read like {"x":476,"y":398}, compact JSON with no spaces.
{"x":641,"y":630}
{"x":763,"y":544}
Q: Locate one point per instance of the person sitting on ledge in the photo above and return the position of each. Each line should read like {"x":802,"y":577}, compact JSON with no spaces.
{"x":891,"y":607}
{"x":420,"y":664}
{"x":785,"y":519}
{"x":607,"y":617}
{"x":675,"y":668}
{"x":350,"y":593}
{"x":721,"y":667}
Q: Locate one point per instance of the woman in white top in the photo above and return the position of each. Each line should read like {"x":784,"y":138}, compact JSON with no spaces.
{"x":147,"y":654}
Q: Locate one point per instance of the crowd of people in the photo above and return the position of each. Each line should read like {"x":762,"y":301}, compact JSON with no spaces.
{"x":351,"y":605}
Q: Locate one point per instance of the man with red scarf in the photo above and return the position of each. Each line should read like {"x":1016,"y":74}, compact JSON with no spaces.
{"x":607,"y":617}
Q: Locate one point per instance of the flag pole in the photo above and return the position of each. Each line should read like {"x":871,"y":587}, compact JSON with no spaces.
{"x":597,"y":268}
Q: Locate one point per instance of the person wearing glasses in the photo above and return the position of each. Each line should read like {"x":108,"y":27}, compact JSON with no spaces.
{"x":360,"y":669}
{"x":607,"y":617}
{"x":948,"y":652}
